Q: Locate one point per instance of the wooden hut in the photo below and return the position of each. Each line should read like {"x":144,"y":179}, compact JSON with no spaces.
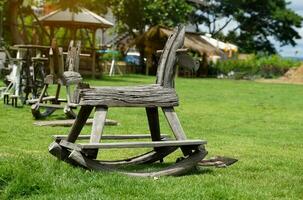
{"x":154,"y":39}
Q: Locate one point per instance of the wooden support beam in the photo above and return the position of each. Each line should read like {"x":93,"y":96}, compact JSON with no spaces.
{"x":174,"y":123}
{"x":98,"y":124}
{"x":79,"y":123}
{"x":153,"y":122}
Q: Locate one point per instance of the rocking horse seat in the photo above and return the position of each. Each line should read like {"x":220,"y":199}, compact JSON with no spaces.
{"x":152,"y":95}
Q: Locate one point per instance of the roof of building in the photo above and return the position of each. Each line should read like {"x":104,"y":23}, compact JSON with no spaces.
{"x":82,"y":18}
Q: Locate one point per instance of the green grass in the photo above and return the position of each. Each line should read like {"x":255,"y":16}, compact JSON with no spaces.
{"x":259,"y":124}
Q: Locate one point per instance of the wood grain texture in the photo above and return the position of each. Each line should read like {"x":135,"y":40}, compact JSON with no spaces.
{"x":167,"y":64}
{"x":153,"y":122}
{"x":98,"y":124}
{"x":113,"y":137}
{"x":139,"y":96}
{"x":79,"y":123}
{"x":70,"y":122}
{"x":70,"y":77}
{"x":174,"y":123}
{"x":176,"y":169}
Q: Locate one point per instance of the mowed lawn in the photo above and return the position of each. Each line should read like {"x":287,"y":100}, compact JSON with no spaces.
{"x":259,"y":124}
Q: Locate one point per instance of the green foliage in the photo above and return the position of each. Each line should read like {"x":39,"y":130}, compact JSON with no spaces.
{"x":257,"y":22}
{"x":112,"y":55}
{"x":264,"y":66}
{"x":137,"y":14}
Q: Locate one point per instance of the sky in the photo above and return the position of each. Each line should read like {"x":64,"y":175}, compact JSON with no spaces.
{"x":297,"y":51}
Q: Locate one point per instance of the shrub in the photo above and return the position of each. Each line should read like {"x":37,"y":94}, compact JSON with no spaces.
{"x":265,"y":66}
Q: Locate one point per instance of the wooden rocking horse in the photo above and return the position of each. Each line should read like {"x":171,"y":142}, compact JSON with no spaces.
{"x":151,"y":97}
{"x":67,"y":77}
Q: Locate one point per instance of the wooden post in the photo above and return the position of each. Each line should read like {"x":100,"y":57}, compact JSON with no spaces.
{"x":52,"y":34}
{"x":149,"y":62}
{"x":94,"y":55}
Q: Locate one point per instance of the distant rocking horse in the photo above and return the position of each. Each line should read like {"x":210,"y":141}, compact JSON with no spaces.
{"x":59,"y":76}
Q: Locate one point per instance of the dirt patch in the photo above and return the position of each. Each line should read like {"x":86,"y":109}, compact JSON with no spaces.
{"x":292,"y":76}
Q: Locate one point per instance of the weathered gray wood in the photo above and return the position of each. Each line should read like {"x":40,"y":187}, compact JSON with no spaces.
{"x":187,"y":61}
{"x":153,"y":122}
{"x":36,"y":112}
{"x":162,"y":95}
{"x":166,"y":69}
{"x":171,"y":143}
{"x":174,"y":123}
{"x":98,"y":124}
{"x":70,"y":122}
{"x":79,"y":123}
{"x":72,"y":60}
{"x":57,"y":106}
{"x":48,"y":98}
{"x":58,"y":93}
{"x":139,"y":96}
{"x":179,"y":168}
{"x":113,"y":137}
{"x":70,"y":77}
{"x":170,"y":69}
{"x":148,"y":157}
{"x":218,"y":161}
{"x":163,"y":59}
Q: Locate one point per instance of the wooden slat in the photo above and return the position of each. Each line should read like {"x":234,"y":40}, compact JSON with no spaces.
{"x":98,"y":124}
{"x":70,"y":122}
{"x":112,"y":137}
{"x":52,"y":106}
{"x":132,"y":144}
{"x":43,"y":99}
{"x":139,"y":96}
{"x":174,"y":123}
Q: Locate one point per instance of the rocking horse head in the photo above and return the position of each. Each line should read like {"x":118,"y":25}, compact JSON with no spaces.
{"x":173,"y":55}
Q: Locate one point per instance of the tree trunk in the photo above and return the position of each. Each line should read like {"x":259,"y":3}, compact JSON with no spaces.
{"x":12,"y":20}
{"x":203,"y":69}
{"x":142,"y":63}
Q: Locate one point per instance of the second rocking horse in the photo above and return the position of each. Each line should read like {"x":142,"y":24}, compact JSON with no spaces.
{"x":67,"y":76}
{"x":151,"y":97}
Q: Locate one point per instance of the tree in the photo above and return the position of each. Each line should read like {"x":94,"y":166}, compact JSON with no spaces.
{"x":258,"y":22}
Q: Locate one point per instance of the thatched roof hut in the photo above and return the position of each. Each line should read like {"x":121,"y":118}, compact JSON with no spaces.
{"x":155,"y":38}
